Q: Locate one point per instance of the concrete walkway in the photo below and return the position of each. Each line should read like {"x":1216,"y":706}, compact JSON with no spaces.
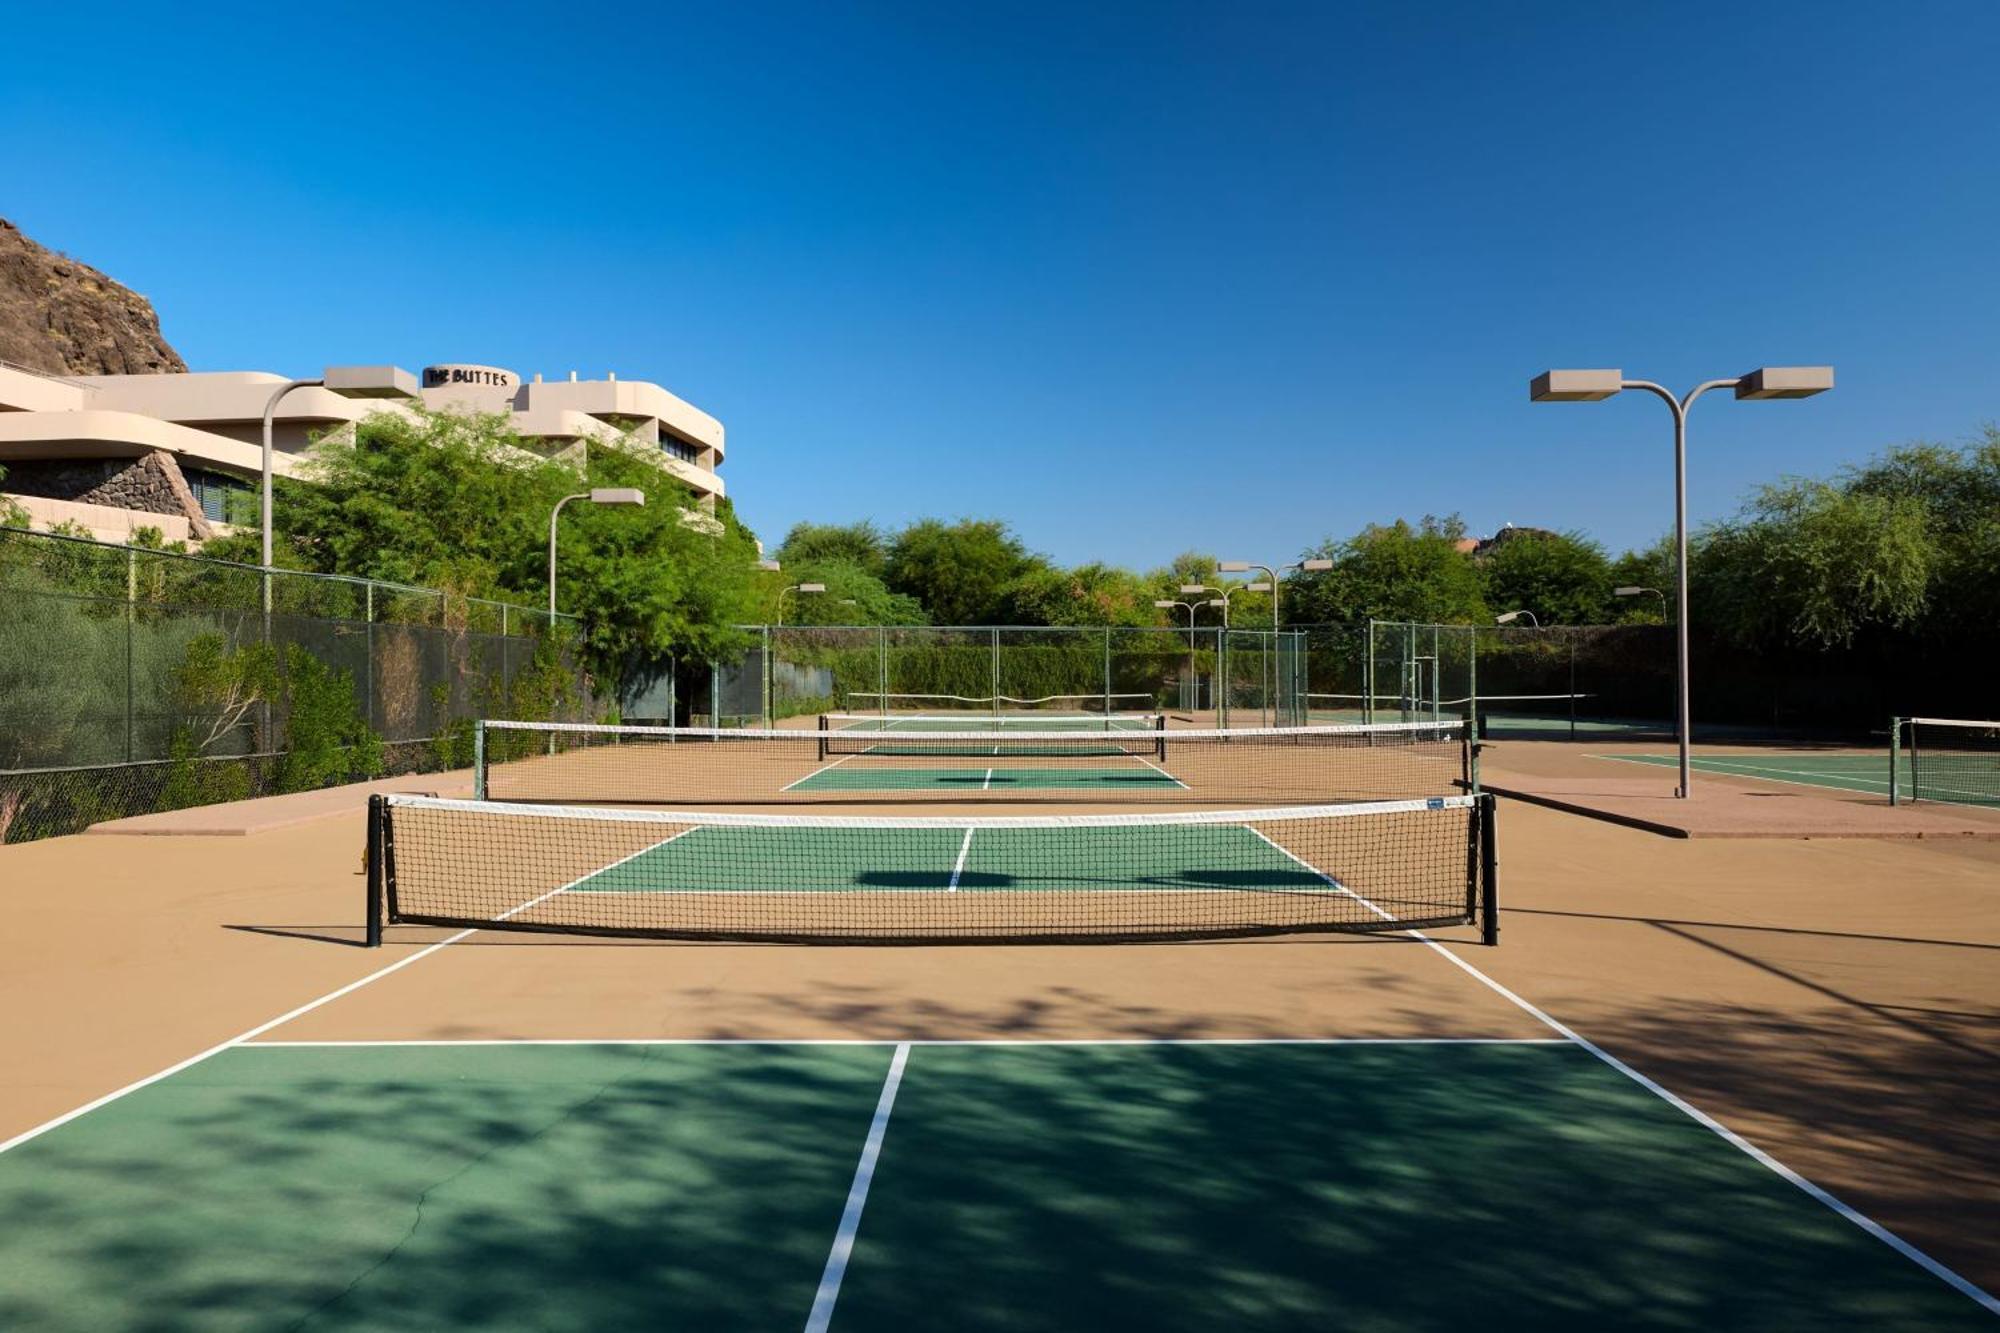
{"x":264,"y":813}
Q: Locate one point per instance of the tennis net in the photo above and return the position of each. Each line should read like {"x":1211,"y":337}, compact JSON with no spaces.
{"x":989,"y":706}
{"x":796,"y":878}
{"x":581,"y":763}
{"x":1947,"y":759}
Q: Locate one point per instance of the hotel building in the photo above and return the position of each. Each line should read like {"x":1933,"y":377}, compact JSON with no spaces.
{"x":114,"y":453}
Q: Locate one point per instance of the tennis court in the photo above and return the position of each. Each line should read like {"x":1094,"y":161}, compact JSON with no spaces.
{"x":892,"y":1185}
{"x":1841,"y":772}
{"x":1324,"y":1112}
{"x":1083,"y":780}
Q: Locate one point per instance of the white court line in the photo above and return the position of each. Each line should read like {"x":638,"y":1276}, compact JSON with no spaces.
{"x":958,"y":867}
{"x":1161,"y":771}
{"x":857,"y":1197}
{"x":240,"y":1038}
{"x":986,"y":785}
{"x":283,"y":1043}
{"x":1700,"y":1117}
{"x":824,"y":768}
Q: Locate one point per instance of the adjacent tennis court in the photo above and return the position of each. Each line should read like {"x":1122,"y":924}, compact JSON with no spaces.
{"x":1082,"y":780}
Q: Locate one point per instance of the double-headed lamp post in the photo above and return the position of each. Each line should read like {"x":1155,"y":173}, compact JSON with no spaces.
{"x":1590,"y":386}
{"x":1220,"y":599}
{"x":1513,"y":616}
{"x":597,"y":495}
{"x":1271,"y":585}
{"x":348,"y":382}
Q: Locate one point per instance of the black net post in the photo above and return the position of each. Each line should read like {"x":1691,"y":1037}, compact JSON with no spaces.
{"x":378,"y":815}
{"x":1489,"y":871}
{"x":822,"y":738}
{"x":1160,"y":746}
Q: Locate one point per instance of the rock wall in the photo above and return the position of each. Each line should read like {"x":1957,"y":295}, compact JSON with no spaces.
{"x":65,"y":318}
{"x":152,"y":484}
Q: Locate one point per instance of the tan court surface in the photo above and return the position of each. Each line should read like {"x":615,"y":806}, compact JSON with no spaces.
{"x":1836,"y":1002}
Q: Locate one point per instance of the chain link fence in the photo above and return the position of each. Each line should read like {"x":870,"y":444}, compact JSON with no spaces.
{"x":135,"y":680}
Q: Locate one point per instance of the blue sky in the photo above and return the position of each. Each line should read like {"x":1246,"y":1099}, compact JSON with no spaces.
{"x":1134,"y":278}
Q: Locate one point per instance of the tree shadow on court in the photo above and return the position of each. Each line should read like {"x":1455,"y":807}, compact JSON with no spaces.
{"x":1319,"y":1187}
{"x":1894,"y":1117}
{"x":571,"y":1188}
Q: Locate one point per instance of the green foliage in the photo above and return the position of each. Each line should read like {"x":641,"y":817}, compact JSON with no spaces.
{"x":326,"y":739}
{"x":1562,"y":577}
{"x":216,"y":687}
{"x":959,"y":572}
{"x":853,"y":596}
{"x":861,"y":545}
{"x":12,"y":515}
{"x":193,"y":779}
{"x":1392,"y":572}
{"x":457,"y":501}
{"x":1814,"y":563}
{"x":1091,"y":594}
{"x":1650,"y":568}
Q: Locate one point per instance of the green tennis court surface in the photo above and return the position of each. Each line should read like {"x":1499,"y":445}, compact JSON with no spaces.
{"x":837,"y":778}
{"x":1155,"y":1186}
{"x":1842,"y":772}
{"x":1099,"y":859}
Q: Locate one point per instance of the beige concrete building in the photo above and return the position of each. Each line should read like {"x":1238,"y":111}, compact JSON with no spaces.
{"x":118,"y":452}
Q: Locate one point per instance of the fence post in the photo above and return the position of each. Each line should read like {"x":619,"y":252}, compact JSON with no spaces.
{"x":131,"y":613}
{"x":1895,"y":756}
{"x":1107,"y":671}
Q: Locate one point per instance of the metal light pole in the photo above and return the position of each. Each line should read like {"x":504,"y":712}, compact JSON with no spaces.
{"x":1513,"y":616}
{"x":1192,"y":696}
{"x":1270,"y":574}
{"x":1635,"y":591}
{"x":800,"y":588}
{"x":348,"y":382}
{"x":1590,"y":386}
{"x":600,"y":495}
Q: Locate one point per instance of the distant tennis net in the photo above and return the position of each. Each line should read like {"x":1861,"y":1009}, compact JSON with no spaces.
{"x":1946,"y":759}
{"x":1217,"y":768}
{"x":576,"y":869}
{"x":990,"y":706}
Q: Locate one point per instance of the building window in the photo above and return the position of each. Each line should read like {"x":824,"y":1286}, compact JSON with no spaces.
{"x":223,"y":498}
{"x":679,"y":448}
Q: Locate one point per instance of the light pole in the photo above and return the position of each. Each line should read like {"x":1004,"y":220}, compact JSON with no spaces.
{"x":348,"y":382}
{"x":1271,"y":575}
{"x":1635,"y":591}
{"x":1191,"y":696}
{"x":1221,"y":599}
{"x":802,"y":589}
{"x":1513,"y":616}
{"x":1590,"y":386}
{"x":597,"y":495}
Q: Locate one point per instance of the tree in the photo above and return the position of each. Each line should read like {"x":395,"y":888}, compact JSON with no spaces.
{"x":853,"y":596}
{"x":1812,"y":563}
{"x":1090,"y":594}
{"x":1562,"y":577}
{"x":861,"y":545}
{"x":959,"y":572}
{"x":457,"y":501}
{"x":1392,"y":572}
{"x":1650,"y":568}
